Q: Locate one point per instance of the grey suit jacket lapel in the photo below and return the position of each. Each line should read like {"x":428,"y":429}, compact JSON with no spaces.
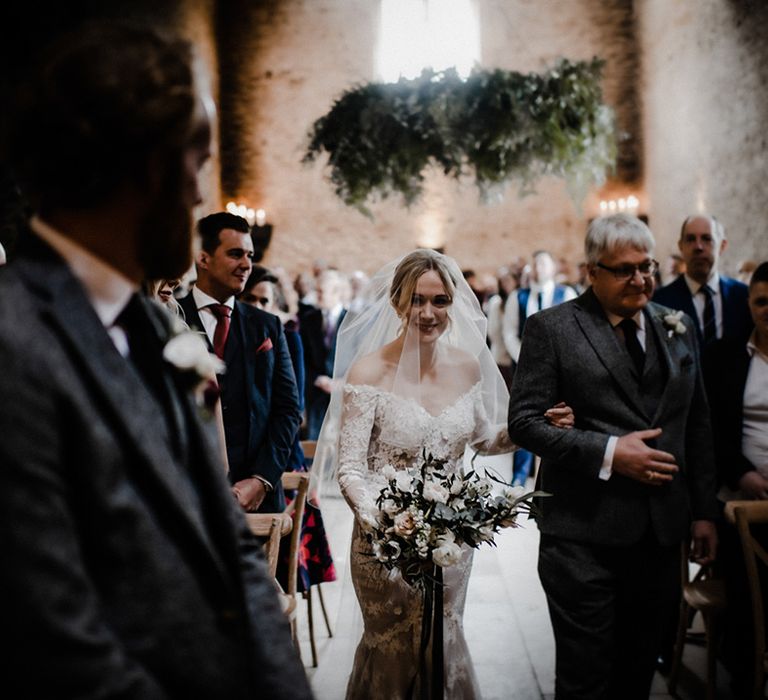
{"x":600,"y":335}
{"x":655,"y":324}
{"x":72,"y":317}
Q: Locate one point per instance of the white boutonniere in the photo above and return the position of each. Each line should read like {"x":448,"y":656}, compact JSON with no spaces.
{"x":187,"y":353}
{"x":673,"y":322}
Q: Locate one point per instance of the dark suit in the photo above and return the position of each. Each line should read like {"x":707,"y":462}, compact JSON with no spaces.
{"x":737,"y":322}
{"x":609,"y":548}
{"x":259,"y":399}
{"x":128,"y":571}
{"x":318,"y":361}
{"x":726,"y":366}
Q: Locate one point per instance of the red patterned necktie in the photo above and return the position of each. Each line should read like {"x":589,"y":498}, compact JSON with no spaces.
{"x":222,"y":312}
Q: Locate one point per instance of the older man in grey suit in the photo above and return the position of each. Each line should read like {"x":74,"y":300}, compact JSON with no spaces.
{"x":628,"y":479}
{"x":128,"y":570}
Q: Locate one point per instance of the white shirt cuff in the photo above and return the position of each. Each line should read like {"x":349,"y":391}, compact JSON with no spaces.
{"x":607,"y":467}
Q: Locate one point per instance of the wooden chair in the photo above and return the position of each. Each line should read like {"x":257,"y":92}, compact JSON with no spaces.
{"x":299,"y":482}
{"x":745,"y":514}
{"x":309,"y":447}
{"x":272,"y":527}
{"x":706,"y":595}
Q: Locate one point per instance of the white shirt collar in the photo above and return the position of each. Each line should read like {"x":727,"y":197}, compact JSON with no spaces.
{"x":107,"y":289}
{"x":548,"y":286}
{"x":202,"y":300}
{"x":713,"y":283}
{"x":752,"y":348}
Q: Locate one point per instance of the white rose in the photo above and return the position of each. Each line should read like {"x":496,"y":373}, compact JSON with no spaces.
{"x":403,"y":480}
{"x":457,"y":486}
{"x":435,"y":492}
{"x":446,"y":554}
{"x":389,"y":472}
{"x":187,"y":352}
{"x":389,"y":506}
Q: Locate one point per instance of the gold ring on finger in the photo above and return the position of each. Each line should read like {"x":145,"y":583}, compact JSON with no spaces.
{"x":651,"y":475}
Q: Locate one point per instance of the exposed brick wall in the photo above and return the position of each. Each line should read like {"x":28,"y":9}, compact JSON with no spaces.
{"x":304,"y":53}
{"x":706,"y":116}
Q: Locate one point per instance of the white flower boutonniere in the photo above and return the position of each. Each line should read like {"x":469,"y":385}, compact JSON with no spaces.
{"x":189,"y":355}
{"x":674,"y":323}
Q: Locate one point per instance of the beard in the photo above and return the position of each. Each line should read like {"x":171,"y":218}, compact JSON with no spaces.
{"x":165,"y":235}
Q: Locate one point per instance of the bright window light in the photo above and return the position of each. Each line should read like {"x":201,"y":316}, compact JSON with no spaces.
{"x":418,"y":34}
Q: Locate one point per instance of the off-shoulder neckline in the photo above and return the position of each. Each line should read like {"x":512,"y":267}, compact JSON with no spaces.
{"x":379,"y":390}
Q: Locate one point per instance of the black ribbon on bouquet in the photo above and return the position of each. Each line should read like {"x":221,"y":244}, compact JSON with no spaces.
{"x":432,"y":680}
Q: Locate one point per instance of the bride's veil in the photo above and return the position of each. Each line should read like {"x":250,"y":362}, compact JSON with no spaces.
{"x":365,"y":332}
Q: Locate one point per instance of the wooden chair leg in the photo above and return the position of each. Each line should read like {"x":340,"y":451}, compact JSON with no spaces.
{"x":677,"y":654}
{"x":710,"y":625}
{"x":325,"y":612}
{"x":311,"y":625}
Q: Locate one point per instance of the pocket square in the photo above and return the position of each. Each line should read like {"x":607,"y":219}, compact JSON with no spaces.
{"x":266,"y":346}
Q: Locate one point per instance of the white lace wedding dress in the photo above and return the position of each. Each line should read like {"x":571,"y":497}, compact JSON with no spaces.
{"x":387,"y":658}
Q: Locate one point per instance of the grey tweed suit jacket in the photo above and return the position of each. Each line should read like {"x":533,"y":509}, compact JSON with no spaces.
{"x":124,"y":574}
{"x":570,"y":353}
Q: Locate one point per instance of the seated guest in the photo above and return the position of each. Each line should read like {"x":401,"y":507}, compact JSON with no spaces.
{"x":737,"y":385}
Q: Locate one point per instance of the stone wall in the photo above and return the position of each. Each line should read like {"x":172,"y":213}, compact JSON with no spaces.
{"x":705,"y":87}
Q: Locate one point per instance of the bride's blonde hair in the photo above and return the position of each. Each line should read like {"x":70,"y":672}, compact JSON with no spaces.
{"x":407,"y":274}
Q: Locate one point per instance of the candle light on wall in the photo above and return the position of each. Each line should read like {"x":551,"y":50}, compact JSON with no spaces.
{"x":241,"y":210}
{"x":629,"y":204}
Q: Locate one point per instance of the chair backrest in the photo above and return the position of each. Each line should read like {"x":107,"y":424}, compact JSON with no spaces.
{"x":309,"y":447}
{"x":299,"y":482}
{"x":272,"y":527}
{"x":745,"y":514}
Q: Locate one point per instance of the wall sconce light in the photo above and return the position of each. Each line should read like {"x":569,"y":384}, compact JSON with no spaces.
{"x":261,"y":231}
{"x":628,"y":204}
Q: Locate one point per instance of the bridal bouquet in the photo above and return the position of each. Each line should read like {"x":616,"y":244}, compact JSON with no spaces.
{"x":424,"y":515}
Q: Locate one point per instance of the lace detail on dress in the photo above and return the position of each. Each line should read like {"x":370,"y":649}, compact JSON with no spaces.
{"x":386,"y":660}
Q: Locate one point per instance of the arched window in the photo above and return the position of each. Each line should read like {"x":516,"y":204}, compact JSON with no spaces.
{"x":418,"y":34}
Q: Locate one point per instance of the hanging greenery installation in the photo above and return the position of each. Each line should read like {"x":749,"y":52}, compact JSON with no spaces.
{"x":496,"y":126}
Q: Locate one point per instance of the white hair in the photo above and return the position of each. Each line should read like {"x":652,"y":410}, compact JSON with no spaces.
{"x":616,"y":231}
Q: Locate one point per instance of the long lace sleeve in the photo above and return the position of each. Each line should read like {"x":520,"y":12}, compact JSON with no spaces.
{"x":358,"y":413}
{"x":489,"y":438}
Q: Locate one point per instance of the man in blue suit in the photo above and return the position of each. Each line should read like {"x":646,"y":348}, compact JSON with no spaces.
{"x":259,"y":399}
{"x":717,"y":304}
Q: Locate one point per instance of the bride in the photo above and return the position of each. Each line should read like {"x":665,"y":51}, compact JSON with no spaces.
{"x":414,"y":374}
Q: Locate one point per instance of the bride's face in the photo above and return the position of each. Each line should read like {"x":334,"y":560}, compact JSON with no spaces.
{"x":429,"y":307}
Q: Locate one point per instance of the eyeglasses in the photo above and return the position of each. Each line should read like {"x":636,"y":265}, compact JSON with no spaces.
{"x":624,"y":273}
